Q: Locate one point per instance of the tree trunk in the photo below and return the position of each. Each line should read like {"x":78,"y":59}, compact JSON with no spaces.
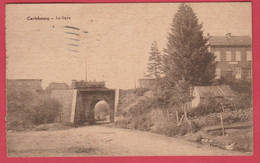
{"x":185,"y":116}
{"x":185,"y":112}
{"x":168,"y":116}
{"x":177,"y":117}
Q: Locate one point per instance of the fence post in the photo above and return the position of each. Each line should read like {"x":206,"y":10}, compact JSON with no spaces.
{"x":222,"y":124}
{"x":177,"y":116}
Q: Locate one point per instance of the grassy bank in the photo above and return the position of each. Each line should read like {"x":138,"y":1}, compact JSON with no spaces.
{"x":148,"y":115}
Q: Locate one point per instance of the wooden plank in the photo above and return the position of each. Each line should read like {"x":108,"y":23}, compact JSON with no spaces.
{"x":181,"y":120}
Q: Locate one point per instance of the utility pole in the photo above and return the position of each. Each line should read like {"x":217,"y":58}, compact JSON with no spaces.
{"x":135,"y":80}
{"x":75,"y":36}
{"x":85,"y":65}
{"x":85,"y":62}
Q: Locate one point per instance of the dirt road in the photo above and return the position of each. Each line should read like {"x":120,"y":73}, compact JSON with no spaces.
{"x":102,"y":141}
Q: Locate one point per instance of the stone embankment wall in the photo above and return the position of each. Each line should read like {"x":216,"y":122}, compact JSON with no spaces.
{"x":68,"y":100}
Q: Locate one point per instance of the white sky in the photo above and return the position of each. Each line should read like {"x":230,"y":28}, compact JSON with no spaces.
{"x":117,"y":44}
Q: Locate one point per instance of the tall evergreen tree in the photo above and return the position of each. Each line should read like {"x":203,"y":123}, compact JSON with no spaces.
{"x":154,"y":68}
{"x":187,"y":61}
{"x":187,"y":57}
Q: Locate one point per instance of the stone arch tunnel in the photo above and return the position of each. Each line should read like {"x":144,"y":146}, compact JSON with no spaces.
{"x":78,"y":104}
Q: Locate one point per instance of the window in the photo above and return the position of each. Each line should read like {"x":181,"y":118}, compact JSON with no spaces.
{"x":249,"y":55}
{"x":218,"y":73}
{"x":217,"y":55}
{"x":228,"y":73}
{"x":238,"y":56}
{"x":238,"y":73}
{"x":228,"y":55}
{"x":249,"y":73}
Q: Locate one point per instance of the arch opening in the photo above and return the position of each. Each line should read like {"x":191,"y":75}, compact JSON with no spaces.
{"x":100,"y":112}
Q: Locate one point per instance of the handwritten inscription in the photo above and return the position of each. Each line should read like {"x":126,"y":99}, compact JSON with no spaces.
{"x":48,"y":18}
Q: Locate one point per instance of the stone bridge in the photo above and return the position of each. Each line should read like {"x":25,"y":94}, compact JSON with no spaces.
{"x":78,"y":104}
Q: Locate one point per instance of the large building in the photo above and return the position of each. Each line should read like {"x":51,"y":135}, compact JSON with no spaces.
{"x":24,"y":84}
{"x":233,"y":56}
{"x":57,"y":86}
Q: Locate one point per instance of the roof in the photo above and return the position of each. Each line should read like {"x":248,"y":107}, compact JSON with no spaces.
{"x":97,"y":90}
{"x":147,"y":79}
{"x":58,"y":84}
{"x":230,"y":40}
{"x":151,"y":78}
{"x":215,"y":91}
{"x":88,"y":84}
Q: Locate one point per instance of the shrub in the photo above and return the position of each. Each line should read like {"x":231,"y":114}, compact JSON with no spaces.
{"x":244,"y":101}
{"x":243,"y":90}
{"x":208,"y":120}
{"x":202,"y":110}
{"x":45,"y":111}
{"x":142,"y":123}
{"x":212,"y":105}
{"x":171,"y":129}
{"x":122,"y":124}
{"x":25,"y":109}
{"x":140,"y":91}
{"x":228,"y":117}
{"x":240,"y":115}
{"x":138,"y":116}
{"x":17,"y":102}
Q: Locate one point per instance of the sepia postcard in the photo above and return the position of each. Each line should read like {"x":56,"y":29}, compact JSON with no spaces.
{"x":129,"y":79}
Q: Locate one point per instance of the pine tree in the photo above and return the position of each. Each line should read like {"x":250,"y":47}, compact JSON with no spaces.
{"x":154,"y":68}
{"x":187,"y":61}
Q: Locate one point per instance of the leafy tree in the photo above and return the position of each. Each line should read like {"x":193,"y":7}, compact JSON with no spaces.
{"x":45,"y":111}
{"x":16,"y":104}
{"x":154,"y":68}
{"x":187,"y":61}
{"x":25,"y":109}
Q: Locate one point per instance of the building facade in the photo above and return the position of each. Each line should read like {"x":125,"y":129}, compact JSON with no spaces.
{"x":233,"y":56}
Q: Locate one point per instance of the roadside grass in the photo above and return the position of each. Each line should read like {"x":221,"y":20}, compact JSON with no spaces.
{"x":86,"y":150}
{"x":238,"y":136}
{"x":51,"y":126}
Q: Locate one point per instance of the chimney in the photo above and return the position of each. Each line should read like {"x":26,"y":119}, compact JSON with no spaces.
{"x":228,"y":35}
